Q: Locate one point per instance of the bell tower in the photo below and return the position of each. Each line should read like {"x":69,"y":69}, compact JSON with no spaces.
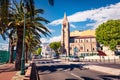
{"x":65,"y":34}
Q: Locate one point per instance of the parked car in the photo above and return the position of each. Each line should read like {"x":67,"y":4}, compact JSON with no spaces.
{"x":73,"y":58}
{"x":54,"y":57}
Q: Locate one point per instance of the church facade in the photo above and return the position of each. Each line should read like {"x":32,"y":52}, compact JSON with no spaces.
{"x":81,"y":43}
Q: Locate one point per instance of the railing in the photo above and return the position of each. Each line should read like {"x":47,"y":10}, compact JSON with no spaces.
{"x":102,"y":59}
{"x":99,"y":59}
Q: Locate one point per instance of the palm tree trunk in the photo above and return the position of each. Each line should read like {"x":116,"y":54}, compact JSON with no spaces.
{"x":19,"y":48}
{"x":11,"y":51}
{"x":11,"y":54}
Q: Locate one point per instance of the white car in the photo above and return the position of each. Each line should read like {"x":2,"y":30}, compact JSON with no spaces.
{"x":73,"y":58}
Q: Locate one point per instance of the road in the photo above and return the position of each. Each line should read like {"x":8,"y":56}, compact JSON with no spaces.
{"x":57,"y":70}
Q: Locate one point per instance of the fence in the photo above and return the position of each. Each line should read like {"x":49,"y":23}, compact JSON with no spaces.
{"x":4,"y":56}
{"x":102,"y":59}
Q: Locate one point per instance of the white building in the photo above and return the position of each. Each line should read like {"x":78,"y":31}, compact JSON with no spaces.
{"x":46,"y":50}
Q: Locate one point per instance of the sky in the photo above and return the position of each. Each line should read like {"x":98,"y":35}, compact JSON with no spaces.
{"x":81,"y":14}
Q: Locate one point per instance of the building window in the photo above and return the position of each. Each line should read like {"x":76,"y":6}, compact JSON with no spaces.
{"x":71,"y":40}
{"x":76,"y":41}
{"x":81,"y":41}
{"x":87,"y":50}
{"x":81,"y":48}
{"x":86,"y":40}
{"x":93,"y":49}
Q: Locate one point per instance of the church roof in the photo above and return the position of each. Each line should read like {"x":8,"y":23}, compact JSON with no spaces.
{"x":83,"y":33}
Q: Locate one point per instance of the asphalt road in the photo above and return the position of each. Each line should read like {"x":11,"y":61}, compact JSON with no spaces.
{"x":56,"y":70}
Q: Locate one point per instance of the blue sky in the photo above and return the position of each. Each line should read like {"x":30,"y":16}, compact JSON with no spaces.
{"x":82,"y":14}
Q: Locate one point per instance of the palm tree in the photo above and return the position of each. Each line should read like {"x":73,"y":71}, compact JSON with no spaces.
{"x":16,"y":20}
{"x":4,"y":5}
{"x":12,"y":44}
{"x":31,"y":42}
{"x":35,"y":26}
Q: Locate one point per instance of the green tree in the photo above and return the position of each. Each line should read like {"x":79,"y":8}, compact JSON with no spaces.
{"x":39,"y":51}
{"x":55,"y":46}
{"x":108,"y":33}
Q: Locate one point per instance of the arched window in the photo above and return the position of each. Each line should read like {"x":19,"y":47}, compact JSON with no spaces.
{"x":93,"y":49}
{"x":81,"y":48}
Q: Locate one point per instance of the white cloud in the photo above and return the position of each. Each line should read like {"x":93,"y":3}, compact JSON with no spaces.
{"x":51,"y":30}
{"x":98,"y":16}
{"x":53,"y":39}
{"x":73,"y":26}
{"x":3,"y":46}
{"x":56,"y":22}
{"x":44,"y":40}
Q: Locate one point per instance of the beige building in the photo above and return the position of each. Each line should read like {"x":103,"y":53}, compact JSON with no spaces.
{"x":83,"y":43}
{"x":78,"y":42}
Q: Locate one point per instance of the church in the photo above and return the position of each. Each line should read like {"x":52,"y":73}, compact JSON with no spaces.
{"x":80,"y":43}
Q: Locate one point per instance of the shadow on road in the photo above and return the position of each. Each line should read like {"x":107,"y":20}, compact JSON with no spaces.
{"x":108,"y":77}
{"x":62,"y":67}
{"x":87,"y":78}
{"x":48,"y":69}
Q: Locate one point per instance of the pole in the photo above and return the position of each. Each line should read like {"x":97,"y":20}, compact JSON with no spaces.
{"x":23,"y":48}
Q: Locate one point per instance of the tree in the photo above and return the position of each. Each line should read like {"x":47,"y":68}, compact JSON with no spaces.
{"x":16,"y":21}
{"x":39,"y":51}
{"x":55,"y":46}
{"x":108,"y":34}
{"x":32,"y":42}
{"x":34,"y":27}
{"x":12,"y":44}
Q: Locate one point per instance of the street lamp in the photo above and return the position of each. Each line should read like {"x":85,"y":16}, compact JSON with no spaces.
{"x":23,"y":48}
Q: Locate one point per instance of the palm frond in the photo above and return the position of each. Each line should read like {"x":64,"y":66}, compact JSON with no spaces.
{"x":38,"y":18}
{"x":38,"y":11}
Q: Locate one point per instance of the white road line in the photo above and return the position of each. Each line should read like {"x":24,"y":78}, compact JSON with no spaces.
{"x":66,"y":70}
{"x":76,"y":76}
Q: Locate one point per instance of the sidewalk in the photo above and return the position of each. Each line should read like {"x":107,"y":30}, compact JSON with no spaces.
{"x":108,"y":70}
{"x":7,"y":71}
{"x":18,"y":76}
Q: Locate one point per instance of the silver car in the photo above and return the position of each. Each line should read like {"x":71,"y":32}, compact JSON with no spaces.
{"x":73,"y":58}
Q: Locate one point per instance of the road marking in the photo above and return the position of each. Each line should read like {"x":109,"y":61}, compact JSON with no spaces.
{"x":76,"y":76}
{"x":66,"y":70}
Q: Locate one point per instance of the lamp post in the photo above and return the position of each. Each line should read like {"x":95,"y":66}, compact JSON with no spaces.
{"x":23,"y":47}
